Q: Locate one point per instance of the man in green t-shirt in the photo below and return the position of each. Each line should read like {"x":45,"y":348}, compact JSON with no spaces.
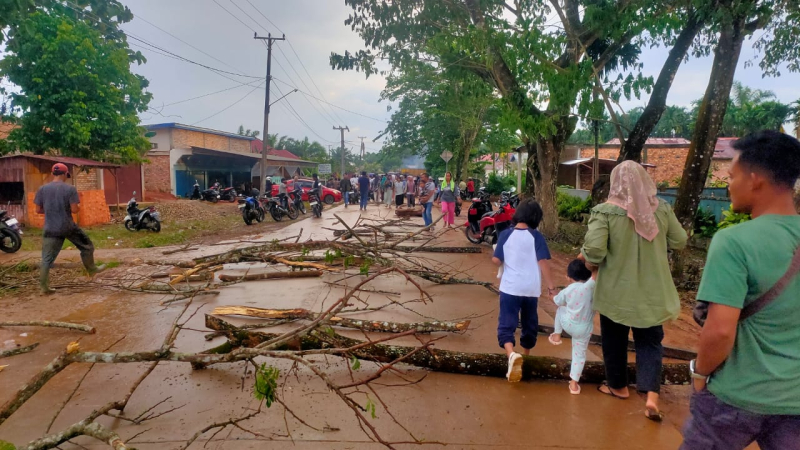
{"x":747,"y":373}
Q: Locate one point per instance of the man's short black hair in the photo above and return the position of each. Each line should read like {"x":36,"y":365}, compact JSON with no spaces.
{"x":577,"y":270}
{"x":315,"y":176}
{"x":529,"y":212}
{"x":772,"y":152}
{"x":363,"y":173}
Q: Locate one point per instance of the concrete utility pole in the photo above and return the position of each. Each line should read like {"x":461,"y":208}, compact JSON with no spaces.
{"x":363,"y":148}
{"x":342,"y":130}
{"x":265,"y":135}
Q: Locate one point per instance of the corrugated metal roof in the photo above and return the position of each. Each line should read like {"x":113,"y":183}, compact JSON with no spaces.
{"x":656,"y":141}
{"x":181,"y":126}
{"x":614,"y":162}
{"x":724,"y":148}
{"x":70,"y":161}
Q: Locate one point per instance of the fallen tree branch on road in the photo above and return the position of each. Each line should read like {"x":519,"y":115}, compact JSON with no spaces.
{"x":270,"y":275}
{"x":18,"y":350}
{"x":46,"y":323}
{"x":358,"y":324}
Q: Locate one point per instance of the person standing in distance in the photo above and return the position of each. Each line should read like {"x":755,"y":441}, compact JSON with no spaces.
{"x":426,"y":198}
{"x":746,"y":373}
{"x":364,"y":187}
{"x":345,"y":187}
{"x":58,"y":201}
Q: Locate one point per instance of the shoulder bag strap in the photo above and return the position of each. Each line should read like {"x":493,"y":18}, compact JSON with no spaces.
{"x":775,"y":291}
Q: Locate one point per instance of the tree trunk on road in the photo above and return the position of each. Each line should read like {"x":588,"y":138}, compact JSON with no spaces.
{"x":632,"y":148}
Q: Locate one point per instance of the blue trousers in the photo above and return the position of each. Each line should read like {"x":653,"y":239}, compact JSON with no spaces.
{"x":364,"y":199}
{"x":511,"y":308}
{"x":426,"y":213}
{"x":346,"y":198}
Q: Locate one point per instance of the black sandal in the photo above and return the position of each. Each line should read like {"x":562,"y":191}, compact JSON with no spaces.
{"x":658,"y":416}
{"x":610,"y":392}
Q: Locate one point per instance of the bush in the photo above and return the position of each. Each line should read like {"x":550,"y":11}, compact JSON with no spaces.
{"x":705,"y":223}
{"x":572,"y":208}
{"x":498,"y":184}
{"x":731,"y":218}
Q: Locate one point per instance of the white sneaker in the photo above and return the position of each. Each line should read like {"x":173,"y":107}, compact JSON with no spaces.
{"x":514,"y":368}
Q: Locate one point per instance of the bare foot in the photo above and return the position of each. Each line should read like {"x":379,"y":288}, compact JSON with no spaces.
{"x":574,"y":388}
{"x":651,"y":408}
{"x":555,"y":338}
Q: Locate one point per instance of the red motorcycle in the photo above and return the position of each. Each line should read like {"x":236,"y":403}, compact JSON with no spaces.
{"x":483,"y":224}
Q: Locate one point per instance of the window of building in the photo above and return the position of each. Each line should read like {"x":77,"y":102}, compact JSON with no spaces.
{"x":11,"y":192}
{"x":153,"y":145}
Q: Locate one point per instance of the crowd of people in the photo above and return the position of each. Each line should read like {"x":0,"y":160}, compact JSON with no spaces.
{"x":400,"y":189}
{"x":746,"y":387}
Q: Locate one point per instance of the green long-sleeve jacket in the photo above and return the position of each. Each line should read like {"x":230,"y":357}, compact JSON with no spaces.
{"x":634,"y":284}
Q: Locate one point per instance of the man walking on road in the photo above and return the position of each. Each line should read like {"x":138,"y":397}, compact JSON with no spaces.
{"x":345,"y":187}
{"x":58,"y":200}
{"x":426,"y":199}
{"x":746,"y":374}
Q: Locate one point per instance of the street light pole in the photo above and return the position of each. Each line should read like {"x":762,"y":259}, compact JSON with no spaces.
{"x":265,"y":135}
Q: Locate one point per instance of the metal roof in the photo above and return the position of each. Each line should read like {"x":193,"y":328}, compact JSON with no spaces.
{"x":614,"y":162}
{"x":724,"y":148}
{"x":655,"y":141}
{"x":181,"y":126}
{"x":257,"y":157}
{"x":69,"y":161}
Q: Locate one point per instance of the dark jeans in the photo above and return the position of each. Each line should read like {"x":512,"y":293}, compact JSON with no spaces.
{"x":398,"y":199}
{"x":649,"y":354}
{"x":511,"y":308}
{"x":410,"y":199}
{"x":714,"y":425}
{"x":364,"y":200}
{"x":51,"y":247}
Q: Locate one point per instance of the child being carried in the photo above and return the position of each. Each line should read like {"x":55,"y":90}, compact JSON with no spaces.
{"x":576,"y":317}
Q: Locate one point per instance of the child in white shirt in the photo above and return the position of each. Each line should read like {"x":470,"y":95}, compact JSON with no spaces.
{"x":576,"y":317}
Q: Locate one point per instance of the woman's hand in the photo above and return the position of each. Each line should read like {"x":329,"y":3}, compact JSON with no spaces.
{"x":580,"y":257}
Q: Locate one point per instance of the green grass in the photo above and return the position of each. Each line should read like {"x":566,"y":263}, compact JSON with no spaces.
{"x":116,"y":236}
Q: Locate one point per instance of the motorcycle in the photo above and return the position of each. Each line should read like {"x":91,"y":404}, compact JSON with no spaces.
{"x":142,"y":219}
{"x":228,"y":193}
{"x":196,"y":194}
{"x":251,"y":209}
{"x":481,"y":206}
{"x":210,"y":195}
{"x":277,"y":210}
{"x":296,"y":196}
{"x":316,"y":204}
{"x":10,"y":233}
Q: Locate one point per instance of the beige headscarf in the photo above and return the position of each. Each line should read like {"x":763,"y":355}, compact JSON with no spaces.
{"x":633,"y":190}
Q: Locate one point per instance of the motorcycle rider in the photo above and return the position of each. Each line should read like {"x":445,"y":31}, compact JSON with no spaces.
{"x":282,"y":194}
{"x":58,"y":201}
{"x":317,"y":188}
{"x":345,"y":187}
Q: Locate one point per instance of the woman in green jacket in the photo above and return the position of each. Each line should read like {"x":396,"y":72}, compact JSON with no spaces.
{"x":628,"y":239}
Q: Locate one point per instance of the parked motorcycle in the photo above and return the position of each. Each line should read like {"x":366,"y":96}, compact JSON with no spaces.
{"x":196,"y":194}
{"x":480,"y":207}
{"x":296,"y":197}
{"x":142,"y":219}
{"x":10,"y":233}
{"x":226,"y":193}
{"x":316,"y":204}
{"x":251,"y":209}
{"x":210,"y":195}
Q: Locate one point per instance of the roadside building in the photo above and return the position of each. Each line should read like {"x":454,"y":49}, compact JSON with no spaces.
{"x":21,"y":175}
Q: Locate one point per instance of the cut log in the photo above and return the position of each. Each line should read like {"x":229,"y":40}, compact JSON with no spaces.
{"x":303,"y":264}
{"x":344,"y":322}
{"x":486,"y":364}
{"x":408,"y":212}
{"x":669,"y":352}
{"x":270,"y":275}
{"x":45,"y":323}
{"x":18,"y":350}
{"x":432,"y":249}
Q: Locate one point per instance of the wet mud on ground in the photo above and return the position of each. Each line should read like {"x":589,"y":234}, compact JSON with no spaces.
{"x":458,"y":410}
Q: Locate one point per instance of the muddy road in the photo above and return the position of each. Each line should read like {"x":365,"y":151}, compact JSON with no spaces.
{"x":438,"y":408}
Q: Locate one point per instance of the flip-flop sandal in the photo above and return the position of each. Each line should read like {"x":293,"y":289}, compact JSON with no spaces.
{"x":550,"y":338}
{"x":658,"y":416}
{"x":610,"y":392}
{"x":574,"y":392}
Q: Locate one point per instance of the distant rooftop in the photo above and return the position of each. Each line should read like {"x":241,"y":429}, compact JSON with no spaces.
{"x":181,"y":126}
{"x":656,"y":141}
{"x":724,"y":148}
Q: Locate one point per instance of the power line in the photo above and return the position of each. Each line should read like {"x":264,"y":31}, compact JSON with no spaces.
{"x":320,"y":112}
{"x":299,"y":118}
{"x":215,"y":92}
{"x":328,"y":103}
{"x":235,"y":17}
{"x":229,"y":106}
{"x":300,"y":60}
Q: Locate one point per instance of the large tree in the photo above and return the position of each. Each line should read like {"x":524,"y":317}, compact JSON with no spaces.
{"x":733,"y":22}
{"x":75,"y":92}
{"x":542,"y":72}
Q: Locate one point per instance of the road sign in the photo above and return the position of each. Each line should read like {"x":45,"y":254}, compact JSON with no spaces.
{"x":446,"y":156}
{"x":324,"y":168}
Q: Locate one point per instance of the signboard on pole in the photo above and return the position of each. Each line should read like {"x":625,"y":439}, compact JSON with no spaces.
{"x":324,"y":169}
{"x":446,"y":156}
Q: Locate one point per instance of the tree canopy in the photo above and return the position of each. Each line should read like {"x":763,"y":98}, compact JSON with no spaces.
{"x":76,"y":94}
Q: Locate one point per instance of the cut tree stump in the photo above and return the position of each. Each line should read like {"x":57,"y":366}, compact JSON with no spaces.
{"x":486,"y":364}
{"x":359,"y":324}
{"x":408,"y":212}
{"x":270,"y":275}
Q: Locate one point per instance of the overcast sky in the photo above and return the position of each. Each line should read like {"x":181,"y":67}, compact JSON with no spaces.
{"x":314,"y":28}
